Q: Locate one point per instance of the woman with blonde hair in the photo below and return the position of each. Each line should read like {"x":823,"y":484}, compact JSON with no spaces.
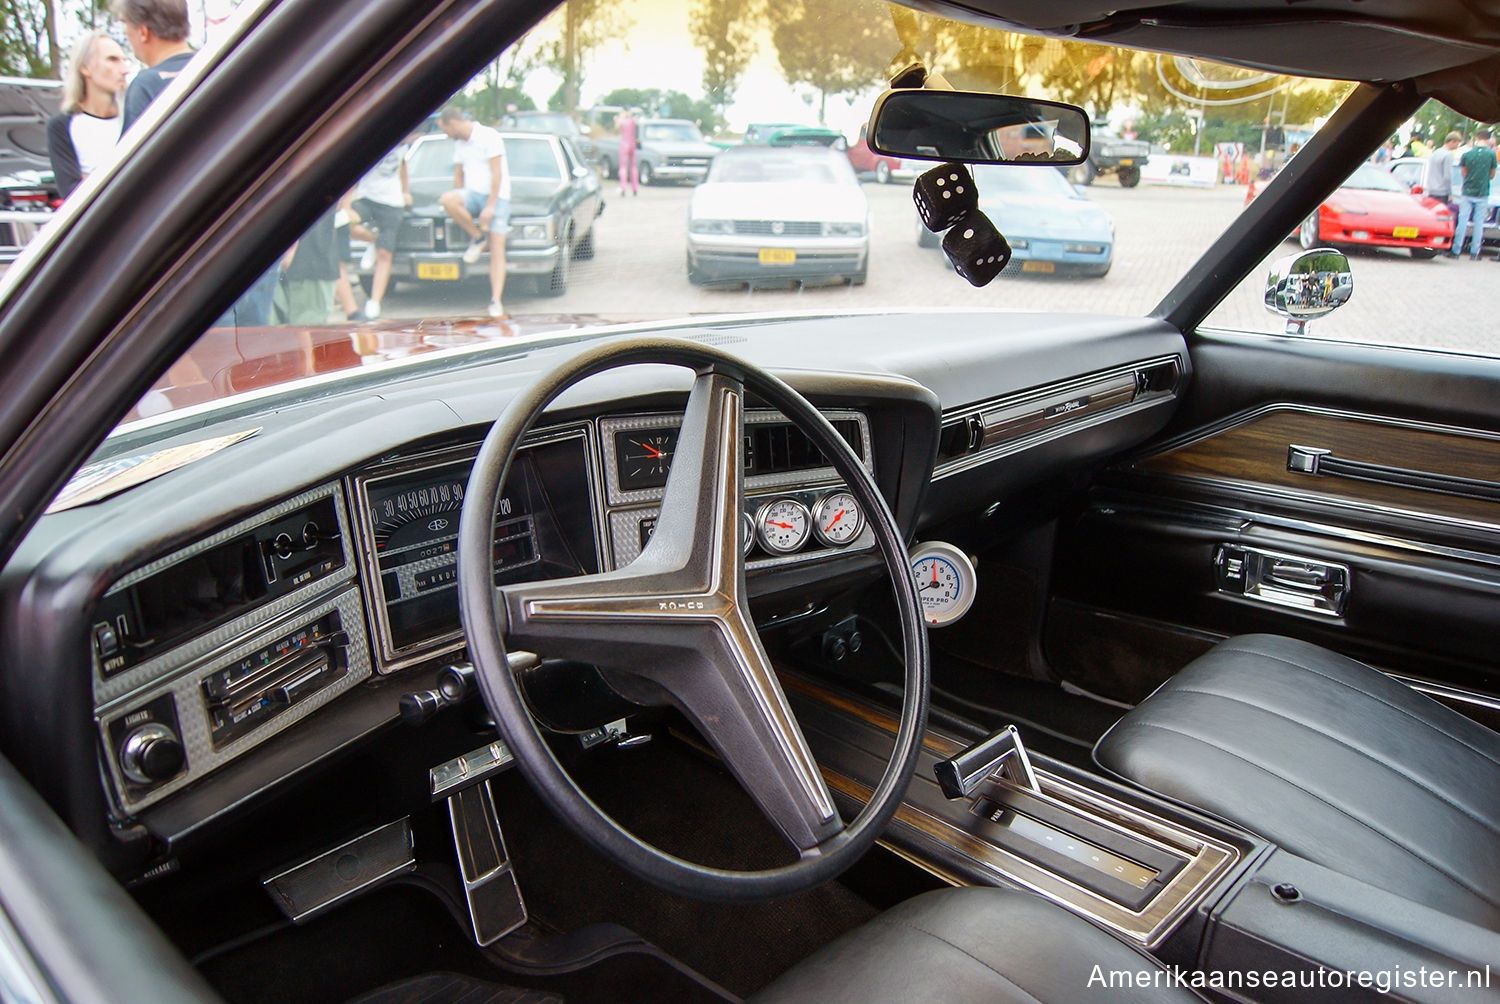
{"x":85,"y":132}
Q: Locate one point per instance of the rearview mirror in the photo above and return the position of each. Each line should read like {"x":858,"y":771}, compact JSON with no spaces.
{"x":1303,"y":287}
{"x":978,"y":128}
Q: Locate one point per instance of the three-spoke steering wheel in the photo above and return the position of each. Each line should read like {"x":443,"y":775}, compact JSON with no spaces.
{"x":674,"y":626}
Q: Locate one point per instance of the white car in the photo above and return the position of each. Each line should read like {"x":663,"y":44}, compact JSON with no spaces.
{"x":768,"y":214}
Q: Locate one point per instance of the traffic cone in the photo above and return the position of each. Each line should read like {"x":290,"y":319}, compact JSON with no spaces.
{"x":1250,"y":190}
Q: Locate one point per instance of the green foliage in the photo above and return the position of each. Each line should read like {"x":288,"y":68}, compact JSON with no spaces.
{"x":836,"y":47}
{"x":1436,"y":120}
{"x":28,"y":39}
{"x":1173,"y":129}
{"x":657,"y":103}
{"x":724,"y":31}
{"x":580,"y":27}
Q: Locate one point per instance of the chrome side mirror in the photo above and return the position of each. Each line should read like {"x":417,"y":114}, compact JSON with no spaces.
{"x":974,"y":127}
{"x":1305,"y":286}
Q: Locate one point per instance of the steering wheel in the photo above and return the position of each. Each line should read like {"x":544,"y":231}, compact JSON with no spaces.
{"x":674,"y":626}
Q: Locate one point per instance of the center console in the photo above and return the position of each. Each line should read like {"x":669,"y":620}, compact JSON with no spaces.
{"x":1135,"y":868}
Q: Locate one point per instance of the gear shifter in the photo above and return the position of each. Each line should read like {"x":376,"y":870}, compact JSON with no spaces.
{"x":959,"y":775}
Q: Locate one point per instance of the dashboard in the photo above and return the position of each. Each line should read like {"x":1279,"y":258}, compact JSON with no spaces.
{"x":206,"y":653}
{"x":196,"y":642}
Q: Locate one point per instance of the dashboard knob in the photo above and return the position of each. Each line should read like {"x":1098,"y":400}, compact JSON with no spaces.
{"x":151,"y":753}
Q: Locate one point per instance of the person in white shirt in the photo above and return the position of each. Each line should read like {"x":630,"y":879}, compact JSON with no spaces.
{"x":84,"y":134}
{"x":380,"y":203}
{"x":480,"y":197}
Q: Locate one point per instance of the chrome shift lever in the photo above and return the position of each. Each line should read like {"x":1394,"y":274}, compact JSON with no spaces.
{"x":959,"y":775}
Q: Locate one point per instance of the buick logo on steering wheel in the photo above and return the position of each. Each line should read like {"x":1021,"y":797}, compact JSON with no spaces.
{"x":437,"y":524}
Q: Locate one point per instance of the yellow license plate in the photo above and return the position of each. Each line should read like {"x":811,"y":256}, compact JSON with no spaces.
{"x":778,"y":256}
{"x":447,"y":270}
{"x":1126,"y":162}
{"x":1404,"y":231}
{"x":1038,"y":266}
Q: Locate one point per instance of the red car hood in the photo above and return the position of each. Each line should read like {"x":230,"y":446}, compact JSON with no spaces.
{"x":226,"y":362}
{"x":1396,"y":206}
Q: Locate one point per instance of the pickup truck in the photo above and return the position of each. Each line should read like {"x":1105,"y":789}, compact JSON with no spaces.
{"x":1109,"y":152}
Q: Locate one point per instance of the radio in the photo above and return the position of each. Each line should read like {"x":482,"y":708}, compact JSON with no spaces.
{"x":261,"y":685}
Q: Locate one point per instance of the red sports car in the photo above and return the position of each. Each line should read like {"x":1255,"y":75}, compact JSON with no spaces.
{"x":1373,"y":208}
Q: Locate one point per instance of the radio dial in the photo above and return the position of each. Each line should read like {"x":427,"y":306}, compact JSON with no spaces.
{"x":151,"y":753}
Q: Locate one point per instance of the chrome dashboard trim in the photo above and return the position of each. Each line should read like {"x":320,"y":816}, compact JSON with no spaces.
{"x":185,"y":687}
{"x":207,"y":643}
{"x":1005,"y":448}
{"x":21,"y":982}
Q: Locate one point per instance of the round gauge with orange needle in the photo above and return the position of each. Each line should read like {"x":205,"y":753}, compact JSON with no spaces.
{"x":783,"y":526}
{"x":945,"y":580}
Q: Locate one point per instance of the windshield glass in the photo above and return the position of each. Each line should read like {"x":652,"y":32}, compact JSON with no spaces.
{"x":579,"y":235}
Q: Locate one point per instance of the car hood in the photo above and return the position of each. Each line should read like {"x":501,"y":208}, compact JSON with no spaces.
{"x":675,"y":148}
{"x":528,"y":197}
{"x":25,"y":106}
{"x":1374,"y":202}
{"x":759,"y":201}
{"x":1038,"y":216}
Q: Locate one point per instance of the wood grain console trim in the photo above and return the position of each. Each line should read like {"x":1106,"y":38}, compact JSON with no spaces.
{"x":1254,"y":454}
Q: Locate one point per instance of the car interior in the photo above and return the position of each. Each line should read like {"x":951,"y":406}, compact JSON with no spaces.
{"x":852,"y":655}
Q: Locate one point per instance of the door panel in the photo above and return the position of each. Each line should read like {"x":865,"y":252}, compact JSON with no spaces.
{"x":1149,"y":562}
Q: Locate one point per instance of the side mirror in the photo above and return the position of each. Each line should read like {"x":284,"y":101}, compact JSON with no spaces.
{"x":1303,"y":287}
{"x":1416,"y":189}
{"x":978,"y":128}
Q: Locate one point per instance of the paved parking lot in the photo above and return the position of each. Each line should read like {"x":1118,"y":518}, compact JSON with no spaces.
{"x":639,"y":273}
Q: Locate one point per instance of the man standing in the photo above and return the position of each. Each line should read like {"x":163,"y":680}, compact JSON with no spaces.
{"x":157,"y":31}
{"x":481,"y":191}
{"x":380,"y":202}
{"x":1438,"y":179}
{"x":1477,"y":167}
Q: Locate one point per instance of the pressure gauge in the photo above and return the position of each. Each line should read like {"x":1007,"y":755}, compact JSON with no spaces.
{"x":747,"y":532}
{"x":783,"y":526}
{"x":945,"y":580}
{"x":837,"y":519}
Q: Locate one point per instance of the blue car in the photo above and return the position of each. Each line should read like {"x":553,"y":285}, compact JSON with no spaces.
{"x":1051,"y":227}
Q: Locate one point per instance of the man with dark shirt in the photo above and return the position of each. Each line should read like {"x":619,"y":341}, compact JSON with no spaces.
{"x":157,"y":31}
{"x":1476,"y":167}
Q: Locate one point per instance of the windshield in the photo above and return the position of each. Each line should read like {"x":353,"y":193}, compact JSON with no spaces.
{"x":431,"y":239}
{"x":671,"y":132}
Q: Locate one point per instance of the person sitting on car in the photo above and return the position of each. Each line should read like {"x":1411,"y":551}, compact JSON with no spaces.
{"x":480,"y":197}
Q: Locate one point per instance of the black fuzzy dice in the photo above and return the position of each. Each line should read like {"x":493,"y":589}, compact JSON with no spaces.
{"x":944,"y":195}
{"x":976,"y":249}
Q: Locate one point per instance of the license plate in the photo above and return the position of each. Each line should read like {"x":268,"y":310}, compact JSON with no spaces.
{"x":1126,"y":162}
{"x":1038,"y":266}
{"x":1404,"y":231}
{"x":778,"y":256}
{"x":443,"y":270}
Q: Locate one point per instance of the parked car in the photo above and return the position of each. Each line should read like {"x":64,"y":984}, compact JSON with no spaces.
{"x":555,"y":200}
{"x":560,"y":123}
{"x":27,"y":192}
{"x":1051,"y":227}
{"x":672,"y":150}
{"x":1373,"y":208}
{"x":1057,"y":642}
{"x":1412,"y":172}
{"x":776,"y":214}
{"x":1112,"y":154}
{"x":883,"y":168}
{"x":791,"y":134}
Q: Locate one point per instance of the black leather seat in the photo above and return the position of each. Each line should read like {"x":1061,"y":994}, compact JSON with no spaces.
{"x":986,"y":945}
{"x":1332,"y":760}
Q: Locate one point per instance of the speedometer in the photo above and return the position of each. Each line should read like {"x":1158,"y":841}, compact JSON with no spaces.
{"x":416,"y":515}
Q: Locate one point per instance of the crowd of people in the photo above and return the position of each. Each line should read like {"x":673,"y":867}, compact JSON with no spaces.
{"x":1460,"y":175}
{"x":311,"y":278}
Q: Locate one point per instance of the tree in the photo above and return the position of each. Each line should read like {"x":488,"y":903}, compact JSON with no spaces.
{"x":724,"y":31}
{"x":657,"y":103}
{"x":832,"y":62}
{"x":582,"y":27}
{"x":28,"y":39}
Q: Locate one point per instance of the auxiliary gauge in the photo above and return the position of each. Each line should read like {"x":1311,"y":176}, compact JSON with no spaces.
{"x":945,"y":580}
{"x":783,"y":526}
{"x":837,"y":519}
